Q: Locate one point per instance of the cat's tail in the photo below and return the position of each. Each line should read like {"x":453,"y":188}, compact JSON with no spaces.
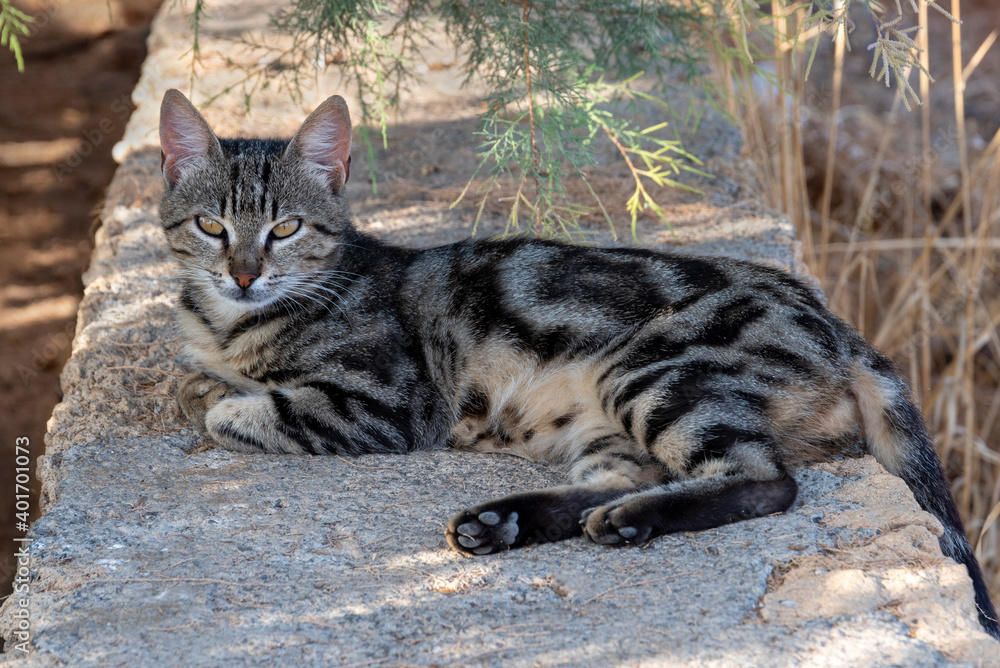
{"x":897,"y":437}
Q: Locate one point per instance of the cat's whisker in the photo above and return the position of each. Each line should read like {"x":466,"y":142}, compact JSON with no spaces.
{"x":339,"y":297}
{"x":337,"y":294}
{"x":336,"y":272}
{"x":316,"y":297}
{"x":302,"y":281}
{"x":297,"y":290}
{"x":341,"y":243}
{"x":283,"y":302}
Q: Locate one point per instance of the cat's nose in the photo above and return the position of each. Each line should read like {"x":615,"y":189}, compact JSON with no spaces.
{"x":244,"y":280}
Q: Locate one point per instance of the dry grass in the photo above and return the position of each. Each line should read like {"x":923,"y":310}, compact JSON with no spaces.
{"x":899,"y":214}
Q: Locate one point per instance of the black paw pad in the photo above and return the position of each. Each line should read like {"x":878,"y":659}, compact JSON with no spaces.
{"x":483,"y":532}
{"x":601,"y":525}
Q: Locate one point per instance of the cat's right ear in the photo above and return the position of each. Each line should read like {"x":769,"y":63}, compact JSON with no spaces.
{"x":186,"y":140}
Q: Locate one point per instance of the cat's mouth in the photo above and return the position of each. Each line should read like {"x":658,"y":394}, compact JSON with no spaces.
{"x":247,"y":299}
{"x":251,"y":301}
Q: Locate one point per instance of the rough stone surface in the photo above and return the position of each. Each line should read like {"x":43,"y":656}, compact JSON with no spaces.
{"x":153,"y":550}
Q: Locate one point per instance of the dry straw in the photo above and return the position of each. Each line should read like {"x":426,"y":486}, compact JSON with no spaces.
{"x":906,"y":242}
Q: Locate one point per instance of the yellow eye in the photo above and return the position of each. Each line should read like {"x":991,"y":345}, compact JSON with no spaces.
{"x":209,"y":226}
{"x":286,"y":228}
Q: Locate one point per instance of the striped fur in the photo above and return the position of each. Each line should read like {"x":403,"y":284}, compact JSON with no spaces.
{"x":677,"y":392}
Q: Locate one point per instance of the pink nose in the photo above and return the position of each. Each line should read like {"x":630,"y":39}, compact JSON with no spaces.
{"x":244,"y":280}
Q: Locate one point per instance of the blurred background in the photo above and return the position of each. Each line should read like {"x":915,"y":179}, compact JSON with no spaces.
{"x":58,"y":123}
{"x":898,"y":212}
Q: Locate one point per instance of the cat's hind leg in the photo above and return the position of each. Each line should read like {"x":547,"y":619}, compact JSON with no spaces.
{"x":608,"y":467}
{"x":731,"y":473}
{"x":706,"y":422}
{"x":529,"y":518}
{"x":691,"y":505}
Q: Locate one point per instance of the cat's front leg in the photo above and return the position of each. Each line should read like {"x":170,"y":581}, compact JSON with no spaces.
{"x":198,"y":394}
{"x":317,"y":418}
{"x":250,"y":423}
{"x":237,"y":420}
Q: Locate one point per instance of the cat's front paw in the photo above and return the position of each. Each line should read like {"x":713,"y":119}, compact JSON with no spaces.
{"x":617,"y":523}
{"x":198,"y":394}
{"x":483,"y":531}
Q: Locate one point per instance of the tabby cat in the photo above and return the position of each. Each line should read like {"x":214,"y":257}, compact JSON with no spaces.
{"x":676,"y":391}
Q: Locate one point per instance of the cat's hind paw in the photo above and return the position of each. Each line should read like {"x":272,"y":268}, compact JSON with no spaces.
{"x":529,"y":518}
{"x":616,"y":524}
{"x":483,"y":532}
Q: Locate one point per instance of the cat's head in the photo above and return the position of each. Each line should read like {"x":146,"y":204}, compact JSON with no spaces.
{"x":251,"y":219}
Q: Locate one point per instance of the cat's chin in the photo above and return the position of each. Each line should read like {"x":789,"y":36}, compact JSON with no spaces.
{"x":249,"y":304}
{"x":251,"y":300}
{"x":231,"y":308}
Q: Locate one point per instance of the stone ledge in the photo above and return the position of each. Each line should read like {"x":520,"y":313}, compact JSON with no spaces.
{"x":150,"y":551}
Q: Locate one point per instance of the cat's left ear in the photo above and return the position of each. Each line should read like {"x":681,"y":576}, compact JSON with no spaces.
{"x":324,"y":142}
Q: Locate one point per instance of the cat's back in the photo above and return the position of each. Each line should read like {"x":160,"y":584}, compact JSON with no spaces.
{"x":530,"y":290}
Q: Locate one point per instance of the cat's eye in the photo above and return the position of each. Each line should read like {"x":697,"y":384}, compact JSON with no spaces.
{"x":286,"y":228}
{"x":210,"y":226}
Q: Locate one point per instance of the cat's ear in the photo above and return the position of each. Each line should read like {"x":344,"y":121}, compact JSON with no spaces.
{"x":324,"y":142}
{"x":186,"y":139}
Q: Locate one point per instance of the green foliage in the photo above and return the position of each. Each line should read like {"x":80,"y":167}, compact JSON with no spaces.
{"x":13,"y":22}
{"x":556,"y":71}
{"x":552,"y":70}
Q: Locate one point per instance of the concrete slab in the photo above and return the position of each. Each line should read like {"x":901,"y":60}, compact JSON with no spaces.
{"x":153,"y":552}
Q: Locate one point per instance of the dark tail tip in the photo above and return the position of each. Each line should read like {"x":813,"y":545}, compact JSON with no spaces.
{"x":984,"y":606}
{"x":898,"y":438}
